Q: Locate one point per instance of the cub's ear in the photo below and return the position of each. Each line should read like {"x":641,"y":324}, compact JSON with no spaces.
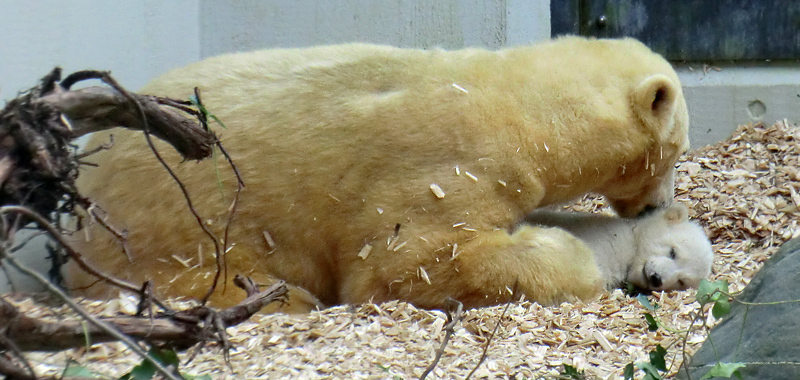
{"x":654,"y":101}
{"x":676,"y":213}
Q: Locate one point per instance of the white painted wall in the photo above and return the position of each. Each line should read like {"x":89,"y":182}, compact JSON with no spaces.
{"x":452,"y":24}
{"x":134,"y":39}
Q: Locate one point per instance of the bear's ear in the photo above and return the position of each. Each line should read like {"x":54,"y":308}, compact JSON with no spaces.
{"x":676,"y":213}
{"x":655,"y":100}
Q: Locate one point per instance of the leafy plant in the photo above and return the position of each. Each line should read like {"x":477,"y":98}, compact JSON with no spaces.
{"x":214,"y":155}
{"x":653,"y":369}
{"x":168,"y":357}
{"x":202,"y":108}
{"x":386,"y":369}
{"x":709,"y":292}
{"x":725,"y":370}
{"x":145,"y":370}
{"x":714,"y":293}
{"x":571,"y":373}
{"x":74,"y":370}
{"x":652,"y":324}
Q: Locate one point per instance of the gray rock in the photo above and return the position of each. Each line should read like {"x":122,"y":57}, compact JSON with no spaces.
{"x":770,"y":334}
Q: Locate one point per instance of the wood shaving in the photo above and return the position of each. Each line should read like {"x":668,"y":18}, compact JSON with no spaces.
{"x":437,"y":191}
{"x":459,"y":88}
{"x":268,"y":240}
{"x":365,"y":250}
{"x":424,"y":275}
{"x":743,"y":191}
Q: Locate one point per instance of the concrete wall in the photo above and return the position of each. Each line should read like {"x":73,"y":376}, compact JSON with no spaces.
{"x":134,"y":39}
{"x":452,"y":24}
{"x":722,"y":96}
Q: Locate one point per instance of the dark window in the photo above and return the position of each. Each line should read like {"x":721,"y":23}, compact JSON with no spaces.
{"x":689,"y":29}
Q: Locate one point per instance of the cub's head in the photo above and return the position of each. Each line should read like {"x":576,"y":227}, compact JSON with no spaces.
{"x":661,"y":123}
{"x":671,"y":252}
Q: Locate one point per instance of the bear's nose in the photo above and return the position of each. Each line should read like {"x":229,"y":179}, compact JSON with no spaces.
{"x":655,"y":280}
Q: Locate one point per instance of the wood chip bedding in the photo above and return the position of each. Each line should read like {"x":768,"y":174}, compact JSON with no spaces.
{"x":744,"y":191}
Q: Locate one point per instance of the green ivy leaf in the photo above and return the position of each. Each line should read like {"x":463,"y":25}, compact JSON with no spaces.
{"x":704,"y":291}
{"x":657,"y":358}
{"x":78,"y":371}
{"x":146,"y":370}
{"x":708,"y":291}
{"x":721,"y":308}
{"x":651,"y":372}
{"x":646,"y":302}
{"x":143,"y":371}
{"x":725,"y":370}
{"x":652,"y":325}
{"x":571,"y":372}
{"x":630,"y":289}
{"x":627,"y":373}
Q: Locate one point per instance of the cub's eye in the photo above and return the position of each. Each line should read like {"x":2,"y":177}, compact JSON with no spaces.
{"x":672,"y":253}
{"x":681,"y":284}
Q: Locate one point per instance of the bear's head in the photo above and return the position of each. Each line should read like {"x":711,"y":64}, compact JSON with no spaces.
{"x":672,"y":253}
{"x":647,"y":180}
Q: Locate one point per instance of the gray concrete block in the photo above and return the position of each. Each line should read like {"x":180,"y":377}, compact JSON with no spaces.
{"x":721,"y":97}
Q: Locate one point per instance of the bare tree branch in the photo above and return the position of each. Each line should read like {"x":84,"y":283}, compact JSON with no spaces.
{"x":35,"y":134}
{"x":218,"y":251}
{"x":95,"y":109}
{"x":183,"y":329}
{"x":55,"y":235}
{"x":101,"y":325}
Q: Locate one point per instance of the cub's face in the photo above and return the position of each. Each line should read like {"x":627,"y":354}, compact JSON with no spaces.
{"x":672,"y":252}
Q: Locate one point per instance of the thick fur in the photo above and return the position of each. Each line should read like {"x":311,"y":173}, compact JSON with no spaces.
{"x":660,"y":251}
{"x":340,"y":144}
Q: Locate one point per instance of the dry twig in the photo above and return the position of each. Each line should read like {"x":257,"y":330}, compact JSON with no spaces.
{"x":452,"y":320}
{"x":101,"y":325}
{"x":218,"y":248}
{"x":181,"y":329}
{"x":94,"y":109}
{"x":35,"y":131}
{"x":494,"y":330}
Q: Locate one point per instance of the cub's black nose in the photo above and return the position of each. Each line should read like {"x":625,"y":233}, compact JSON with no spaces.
{"x":655,"y":280}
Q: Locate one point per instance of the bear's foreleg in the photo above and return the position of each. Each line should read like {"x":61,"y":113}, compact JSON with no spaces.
{"x":549,"y":266}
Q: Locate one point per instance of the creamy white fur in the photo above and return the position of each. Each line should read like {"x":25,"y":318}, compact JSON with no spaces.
{"x":640,"y":251}
{"x":339,"y":144}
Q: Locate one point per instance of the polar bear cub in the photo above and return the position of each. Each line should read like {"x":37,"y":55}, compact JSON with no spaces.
{"x":660,"y":251}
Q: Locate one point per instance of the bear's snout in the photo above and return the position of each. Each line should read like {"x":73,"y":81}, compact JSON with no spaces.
{"x":655,"y":280}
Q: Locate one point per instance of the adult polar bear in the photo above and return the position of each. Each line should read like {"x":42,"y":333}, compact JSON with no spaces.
{"x":339,"y":145}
